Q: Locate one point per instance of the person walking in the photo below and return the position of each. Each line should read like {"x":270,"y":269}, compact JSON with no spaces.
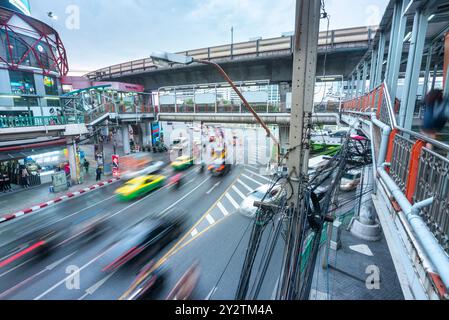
{"x":98,"y":171}
{"x":435,"y":115}
{"x":25,"y":175}
{"x":2,"y":183}
{"x":7,"y":182}
{"x":86,"y":165}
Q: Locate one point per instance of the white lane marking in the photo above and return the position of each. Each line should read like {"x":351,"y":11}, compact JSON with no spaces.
{"x":211,"y":293}
{"x":48,"y":268}
{"x":251,"y":179}
{"x":210,"y":219}
{"x":258,"y":175}
{"x":223,"y":209}
{"x":363,"y":249}
{"x":95,"y":287}
{"x":194,"y":233}
{"x":241,"y":195}
{"x":213,"y":188}
{"x":69,"y":276}
{"x":16,"y":267}
{"x":174,"y":204}
{"x":245,"y":185}
{"x":231,"y":199}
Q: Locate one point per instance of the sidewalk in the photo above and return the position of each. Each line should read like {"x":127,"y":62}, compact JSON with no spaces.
{"x":24,"y":198}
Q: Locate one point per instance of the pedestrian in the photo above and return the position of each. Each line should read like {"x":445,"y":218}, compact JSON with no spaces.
{"x":2,"y":183}
{"x":67,"y":171}
{"x":435,"y":115}
{"x":98,"y":171}
{"x":25,"y":175}
{"x":7,"y":182}
{"x":86,"y":165}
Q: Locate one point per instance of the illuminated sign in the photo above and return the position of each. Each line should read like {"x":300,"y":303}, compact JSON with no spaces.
{"x":22,"y":5}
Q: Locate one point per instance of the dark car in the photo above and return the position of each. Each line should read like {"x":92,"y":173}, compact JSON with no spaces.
{"x":144,"y":240}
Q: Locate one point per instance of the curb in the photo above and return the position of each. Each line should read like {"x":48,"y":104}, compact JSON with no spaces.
{"x":69,"y":195}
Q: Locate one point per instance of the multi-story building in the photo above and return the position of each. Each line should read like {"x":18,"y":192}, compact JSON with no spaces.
{"x":32,"y":62}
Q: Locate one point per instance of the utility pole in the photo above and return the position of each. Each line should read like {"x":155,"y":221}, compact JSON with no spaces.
{"x":303,"y":87}
{"x":308,"y":14}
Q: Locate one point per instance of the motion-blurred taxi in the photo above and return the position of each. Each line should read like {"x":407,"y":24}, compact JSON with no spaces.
{"x":140,"y":186}
{"x":182,"y":163}
{"x":219,"y":167}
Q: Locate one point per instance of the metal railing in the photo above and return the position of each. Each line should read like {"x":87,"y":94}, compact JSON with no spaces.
{"x":22,"y":122}
{"x":351,"y":37}
{"x":418,"y":164}
{"x":224,"y":108}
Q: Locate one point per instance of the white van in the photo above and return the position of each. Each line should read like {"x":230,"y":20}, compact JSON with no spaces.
{"x":350,"y":180}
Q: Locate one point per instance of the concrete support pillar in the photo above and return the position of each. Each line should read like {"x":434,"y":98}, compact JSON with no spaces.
{"x":364,"y":225}
{"x":74,"y":167}
{"x":146,"y":133}
{"x":413,"y":70}
{"x":284,"y":88}
{"x":395,"y":55}
{"x":125,"y":137}
{"x":246,"y":146}
{"x":284,"y":137}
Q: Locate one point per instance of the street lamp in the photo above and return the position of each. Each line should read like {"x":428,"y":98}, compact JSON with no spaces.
{"x":166,"y":59}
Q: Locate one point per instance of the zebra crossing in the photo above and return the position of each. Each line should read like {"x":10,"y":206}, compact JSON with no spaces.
{"x":230,"y":201}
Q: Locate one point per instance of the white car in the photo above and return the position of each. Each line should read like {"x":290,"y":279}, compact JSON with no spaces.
{"x":154,"y":166}
{"x":247,"y":207}
{"x":350,"y":180}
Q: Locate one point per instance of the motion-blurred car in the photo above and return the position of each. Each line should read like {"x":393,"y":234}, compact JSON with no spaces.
{"x":153,"y":167}
{"x":182,"y":163}
{"x":185,"y":287}
{"x":140,"y":186}
{"x":148,"y":282}
{"x":350,"y":180}
{"x":247,"y":207}
{"x":144,"y":240}
{"x":219,"y":168}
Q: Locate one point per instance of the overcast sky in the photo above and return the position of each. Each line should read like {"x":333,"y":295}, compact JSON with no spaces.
{"x":115,"y":31}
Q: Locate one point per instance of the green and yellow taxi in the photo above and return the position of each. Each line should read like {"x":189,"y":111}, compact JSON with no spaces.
{"x":182,"y":163}
{"x":140,"y":186}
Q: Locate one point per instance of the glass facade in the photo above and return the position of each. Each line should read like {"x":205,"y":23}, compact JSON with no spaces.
{"x":22,"y":83}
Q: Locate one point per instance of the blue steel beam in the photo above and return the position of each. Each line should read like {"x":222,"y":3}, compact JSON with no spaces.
{"x":396,"y":54}
{"x":380,"y":59}
{"x":372,"y":74}
{"x":393,"y":35}
{"x":365,"y":76}
{"x":412,"y":74}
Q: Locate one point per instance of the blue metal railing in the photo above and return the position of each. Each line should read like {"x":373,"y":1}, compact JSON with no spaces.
{"x":22,"y":122}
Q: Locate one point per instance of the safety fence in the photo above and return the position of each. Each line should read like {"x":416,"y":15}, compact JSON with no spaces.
{"x":417,"y":164}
